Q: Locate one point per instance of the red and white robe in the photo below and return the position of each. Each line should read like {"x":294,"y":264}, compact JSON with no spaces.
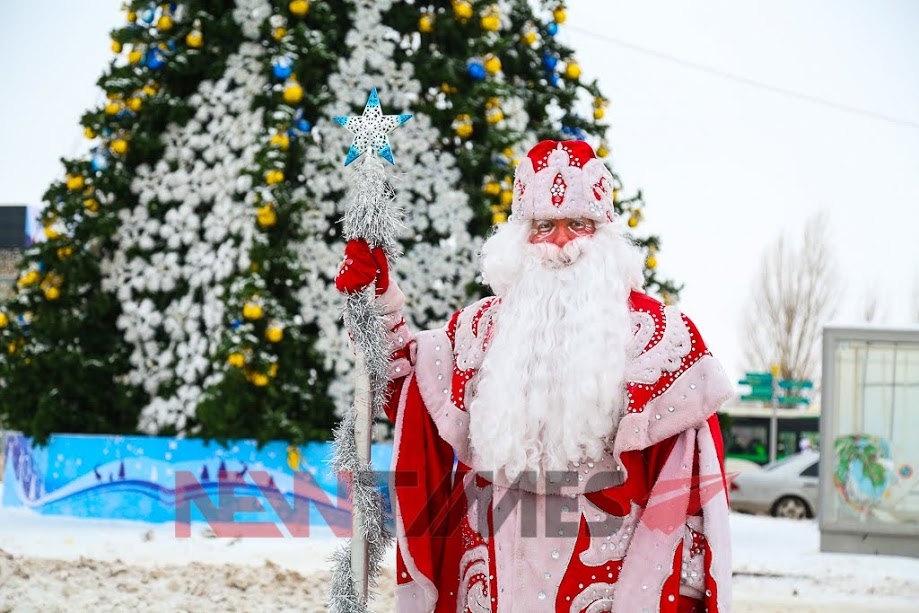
{"x":644,"y":528}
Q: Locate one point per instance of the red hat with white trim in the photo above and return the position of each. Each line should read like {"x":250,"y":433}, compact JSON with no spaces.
{"x":562,"y":179}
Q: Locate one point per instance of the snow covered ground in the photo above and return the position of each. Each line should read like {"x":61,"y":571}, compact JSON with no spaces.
{"x":55,"y":564}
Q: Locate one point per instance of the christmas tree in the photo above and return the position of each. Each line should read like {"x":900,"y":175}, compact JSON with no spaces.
{"x":185,"y":286}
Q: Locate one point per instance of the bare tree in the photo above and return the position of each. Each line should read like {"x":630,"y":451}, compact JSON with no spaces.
{"x":871,"y":309}
{"x":915,"y":304}
{"x":795,"y":294}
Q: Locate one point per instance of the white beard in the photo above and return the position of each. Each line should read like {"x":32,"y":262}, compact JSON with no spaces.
{"x":550,"y":390}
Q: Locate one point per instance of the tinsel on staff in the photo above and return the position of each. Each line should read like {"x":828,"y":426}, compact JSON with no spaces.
{"x":371,"y":216}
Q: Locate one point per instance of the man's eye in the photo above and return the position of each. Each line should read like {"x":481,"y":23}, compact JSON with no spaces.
{"x":543,"y":227}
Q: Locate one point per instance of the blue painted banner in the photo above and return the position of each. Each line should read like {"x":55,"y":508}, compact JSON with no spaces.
{"x":152,"y":478}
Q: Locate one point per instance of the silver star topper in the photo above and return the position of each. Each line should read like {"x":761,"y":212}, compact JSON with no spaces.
{"x":371,"y":130}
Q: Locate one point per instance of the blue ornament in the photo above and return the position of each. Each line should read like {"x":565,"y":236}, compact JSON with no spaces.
{"x":235,"y":324}
{"x":552,"y":28}
{"x":303,"y":126}
{"x":553,"y":80}
{"x":549,"y":61}
{"x":99,"y":162}
{"x":282,"y":67}
{"x":574,"y":133}
{"x":41,"y":266}
{"x":147,"y":15}
{"x":476,"y":69}
{"x":155,"y":59}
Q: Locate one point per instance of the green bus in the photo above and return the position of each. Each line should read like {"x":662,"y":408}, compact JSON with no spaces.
{"x":745,"y":430}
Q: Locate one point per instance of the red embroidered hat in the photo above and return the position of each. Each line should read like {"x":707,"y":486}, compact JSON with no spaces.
{"x":563,"y":179}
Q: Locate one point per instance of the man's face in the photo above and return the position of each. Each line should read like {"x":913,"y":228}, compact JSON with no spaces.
{"x":560,"y":232}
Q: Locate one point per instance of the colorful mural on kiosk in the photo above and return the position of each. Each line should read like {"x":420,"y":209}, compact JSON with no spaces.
{"x":159,"y":479}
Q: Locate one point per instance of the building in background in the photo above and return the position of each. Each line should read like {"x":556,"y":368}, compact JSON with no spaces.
{"x":15,"y":235}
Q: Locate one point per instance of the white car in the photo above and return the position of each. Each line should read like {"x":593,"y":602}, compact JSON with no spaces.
{"x":785,"y":488}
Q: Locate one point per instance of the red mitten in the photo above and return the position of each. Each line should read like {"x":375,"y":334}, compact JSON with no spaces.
{"x":361,"y":267}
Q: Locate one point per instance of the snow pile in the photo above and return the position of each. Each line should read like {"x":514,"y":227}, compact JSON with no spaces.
{"x":65,"y":564}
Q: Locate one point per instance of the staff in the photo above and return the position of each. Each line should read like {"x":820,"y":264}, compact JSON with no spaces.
{"x":369,"y":217}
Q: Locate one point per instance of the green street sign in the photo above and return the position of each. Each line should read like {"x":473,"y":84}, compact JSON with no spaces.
{"x":786,"y":400}
{"x":791,"y":384}
{"x":760,"y":387}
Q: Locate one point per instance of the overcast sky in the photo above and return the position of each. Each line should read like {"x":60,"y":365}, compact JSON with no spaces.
{"x":726,"y":165}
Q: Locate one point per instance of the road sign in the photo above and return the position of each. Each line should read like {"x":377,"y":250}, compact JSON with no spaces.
{"x":760,"y":387}
{"x":791,"y":384}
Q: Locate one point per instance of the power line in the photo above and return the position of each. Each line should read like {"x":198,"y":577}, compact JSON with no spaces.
{"x":746,"y":80}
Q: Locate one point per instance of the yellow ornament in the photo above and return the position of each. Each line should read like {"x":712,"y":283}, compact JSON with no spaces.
{"x":279,"y":33}
{"x":602,"y":151}
{"x":293,"y":93}
{"x":4,"y":320}
{"x":119,"y":146}
{"x":464,"y":130}
{"x":572,"y":71}
{"x":116,"y":46}
{"x":492,"y":188}
{"x":599,"y":113}
{"x":507,"y":197}
{"x":134,"y":103}
{"x":112,"y":108}
{"x":74,"y":182}
{"x":151,"y":88}
{"x":651,"y":262}
{"x":132,"y":16}
{"x":236,"y":360}
{"x":633,"y":221}
{"x":615,"y":195}
{"x":135,"y":56}
{"x":491,"y":23}
{"x":51,"y":233}
{"x":52,"y":293}
{"x":529,"y":37}
{"x":64,"y":252}
{"x":494,"y":116}
{"x":91,"y":204}
{"x":88,"y":132}
{"x":252,"y":311}
{"x":280,"y":140}
{"x":559,"y":15}
{"x":497,"y":218}
{"x":194,"y":39}
{"x":492,"y":65}
{"x":462,"y":10}
{"x":266,"y":216}
{"x":164,"y":23}
{"x":29,"y":278}
{"x":274,"y":334}
{"x":273,"y":177}
{"x":425,"y":24}
{"x":259,"y":379}
{"x":273,"y":370}
{"x":447,"y":88}
{"x":299,"y":8}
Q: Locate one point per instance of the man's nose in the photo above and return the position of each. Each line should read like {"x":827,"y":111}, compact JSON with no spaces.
{"x":562,"y":236}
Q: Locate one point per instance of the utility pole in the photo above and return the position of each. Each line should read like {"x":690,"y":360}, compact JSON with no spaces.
{"x":774,"y":419}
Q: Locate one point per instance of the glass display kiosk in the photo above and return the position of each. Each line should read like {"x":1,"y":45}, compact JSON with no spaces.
{"x":869,"y":490}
